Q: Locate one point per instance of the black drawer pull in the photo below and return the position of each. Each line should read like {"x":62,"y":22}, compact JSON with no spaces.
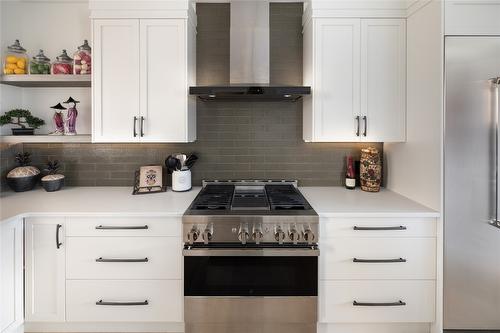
{"x":101,"y":259}
{"x":101,"y":302}
{"x":378,"y":260}
{"x":113,"y":227}
{"x":400,"y":227}
{"x":58,"y":243}
{"x":398,"y":303}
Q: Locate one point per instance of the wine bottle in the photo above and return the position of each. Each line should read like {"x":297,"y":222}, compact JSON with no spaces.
{"x":350,"y":175}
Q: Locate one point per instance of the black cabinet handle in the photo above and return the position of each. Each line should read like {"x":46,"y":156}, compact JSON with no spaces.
{"x":101,"y":302}
{"x":400,"y":227}
{"x":398,"y":303}
{"x":142,"y":126}
{"x":126,"y":227}
{"x":135,"y":130}
{"x":101,"y":259}
{"x":378,"y":260}
{"x":58,"y":243}
{"x":365,"y":121}
{"x":357,"y":128}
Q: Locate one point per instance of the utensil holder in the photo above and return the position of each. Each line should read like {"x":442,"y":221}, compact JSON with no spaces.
{"x":181,"y":180}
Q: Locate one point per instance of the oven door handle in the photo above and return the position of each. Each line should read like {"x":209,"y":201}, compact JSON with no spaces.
{"x":309,"y":252}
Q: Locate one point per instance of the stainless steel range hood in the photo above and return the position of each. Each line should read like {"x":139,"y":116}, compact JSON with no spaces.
{"x":249,"y":59}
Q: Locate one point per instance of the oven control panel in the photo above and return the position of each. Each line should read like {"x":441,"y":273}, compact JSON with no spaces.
{"x":254,"y":233}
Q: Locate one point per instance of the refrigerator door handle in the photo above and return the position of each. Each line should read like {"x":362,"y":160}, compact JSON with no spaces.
{"x":496,"y":219}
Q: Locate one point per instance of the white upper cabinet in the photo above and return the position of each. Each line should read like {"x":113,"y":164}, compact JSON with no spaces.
{"x":335,"y":101}
{"x":164,"y":82}
{"x":383,"y":80}
{"x":466,"y":17}
{"x":142,"y":72}
{"x":357,"y":71}
{"x":116,"y":80}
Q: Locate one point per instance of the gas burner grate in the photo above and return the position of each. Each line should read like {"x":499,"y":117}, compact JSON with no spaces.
{"x":214,"y":197}
{"x":285,"y":197}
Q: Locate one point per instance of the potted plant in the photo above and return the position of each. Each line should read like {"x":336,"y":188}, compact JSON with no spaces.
{"x":24,"y":119}
{"x":52,"y":181}
{"x":24,"y":177}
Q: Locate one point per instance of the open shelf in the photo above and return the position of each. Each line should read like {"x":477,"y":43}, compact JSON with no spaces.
{"x":82,"y":138}
{"x":29,"y":81}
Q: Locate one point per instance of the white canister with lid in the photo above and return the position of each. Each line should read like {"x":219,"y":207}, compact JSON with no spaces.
{"x":181,"y":180}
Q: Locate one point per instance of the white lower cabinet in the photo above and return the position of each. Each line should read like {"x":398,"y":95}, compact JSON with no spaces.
{"x":11,"y":275}
{"x":377,"y":301}
{"x":377,"y":274}
{"x":124,"y":258}
{"x":100,"y":271}
{"x":45,"y":269}
{"x":111,"y":300}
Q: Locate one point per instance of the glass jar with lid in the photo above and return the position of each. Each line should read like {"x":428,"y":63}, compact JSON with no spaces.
{"x":40,"y":64}
{"x":82,"y":59}
{"x":63,"y":64}
{"x":15,"y":59}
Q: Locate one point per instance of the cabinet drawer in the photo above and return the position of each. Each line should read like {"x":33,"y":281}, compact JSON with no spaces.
{"x":123,"y":257}
{"x":378,"y":301}
{"x":164,"y":300}
{"x":124,"y":226}
{"x":378,"y":227}
{"x":378,"y":258}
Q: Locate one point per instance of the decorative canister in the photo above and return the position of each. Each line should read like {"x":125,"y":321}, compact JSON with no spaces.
{"x":24,"y":177}
{"x":371,"y":170}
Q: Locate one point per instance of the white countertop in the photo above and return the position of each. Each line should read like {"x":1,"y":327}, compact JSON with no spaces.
{"x":113,"y":201}
{"x":339,"y":202}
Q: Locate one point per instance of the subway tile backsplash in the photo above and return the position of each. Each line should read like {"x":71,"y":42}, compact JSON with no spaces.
{"x":236,"y":140}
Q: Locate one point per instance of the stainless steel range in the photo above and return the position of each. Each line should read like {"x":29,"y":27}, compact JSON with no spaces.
{"x":250,"y":259}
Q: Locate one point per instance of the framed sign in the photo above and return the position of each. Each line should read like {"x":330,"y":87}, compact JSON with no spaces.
{"x":149,"y":179}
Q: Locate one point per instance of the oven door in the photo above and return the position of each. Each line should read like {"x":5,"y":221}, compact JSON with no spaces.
{"x":251,"y":290}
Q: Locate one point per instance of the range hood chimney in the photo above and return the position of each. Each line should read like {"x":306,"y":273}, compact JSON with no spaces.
{"x":249,"y":46}
{"x":250,"y":59}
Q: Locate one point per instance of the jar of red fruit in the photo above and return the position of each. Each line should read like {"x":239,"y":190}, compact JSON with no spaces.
{"x":63,"y":64}
{"x":82,"y":59}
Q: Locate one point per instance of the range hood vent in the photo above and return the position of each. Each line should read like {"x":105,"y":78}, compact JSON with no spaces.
{"x":250,"y":92}
{"x":249,"y":59}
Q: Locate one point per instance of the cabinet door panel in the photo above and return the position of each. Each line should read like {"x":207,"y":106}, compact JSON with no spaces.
{"x":337,"y":82}
{"x":11,"y":275}
{"x":45,"y":270}
{"x":163,"y":80}
{"x":115,"y":80}
{"x":383,"y":77}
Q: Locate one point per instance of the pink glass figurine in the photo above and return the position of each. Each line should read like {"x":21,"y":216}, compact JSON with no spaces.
{"x":58,"y":120}
{"x":71,"y":117}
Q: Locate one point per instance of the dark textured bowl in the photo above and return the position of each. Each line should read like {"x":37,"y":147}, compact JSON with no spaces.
{"x":22,"y":184}
{"x":53,"y":185}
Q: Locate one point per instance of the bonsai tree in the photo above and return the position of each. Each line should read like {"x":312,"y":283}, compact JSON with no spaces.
{"x":21,"y":118}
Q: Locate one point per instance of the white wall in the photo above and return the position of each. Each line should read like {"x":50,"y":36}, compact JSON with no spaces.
{"x":414,"y":167}
{"x":51,"y":26}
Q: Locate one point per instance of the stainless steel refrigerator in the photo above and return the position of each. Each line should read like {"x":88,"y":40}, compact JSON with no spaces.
{"x":471,"y":197}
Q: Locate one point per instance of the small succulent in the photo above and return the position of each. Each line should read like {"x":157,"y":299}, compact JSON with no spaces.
{"x":23,"y":159}
{"x":52,"y":167}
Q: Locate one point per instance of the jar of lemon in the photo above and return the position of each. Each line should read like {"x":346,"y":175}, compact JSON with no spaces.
{"x":15,"y":60}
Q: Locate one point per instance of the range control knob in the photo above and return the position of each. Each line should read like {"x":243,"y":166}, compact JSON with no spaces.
{"x":279,"y":235}
{"x":208,"y":233}
{"x":294,"y":235}
{"x":308,"y":235}
{"x":257,"y":234}
{"x":193,"y":235}
{"x":243,"y":235}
